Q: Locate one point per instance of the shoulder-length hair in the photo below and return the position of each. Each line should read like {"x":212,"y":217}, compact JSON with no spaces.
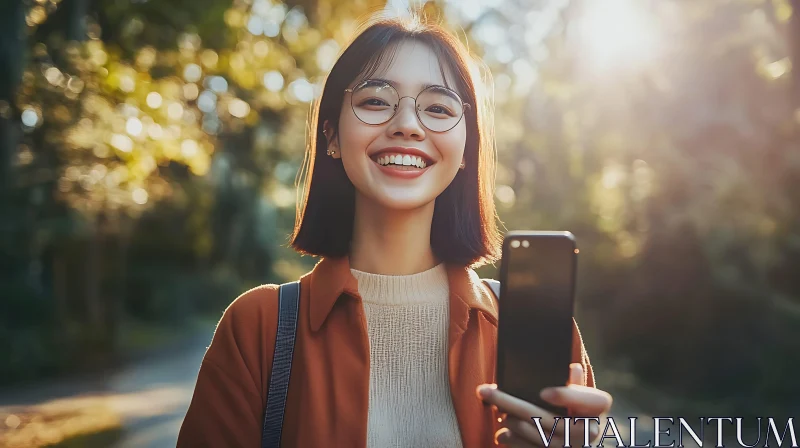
{"x":464,"y":229}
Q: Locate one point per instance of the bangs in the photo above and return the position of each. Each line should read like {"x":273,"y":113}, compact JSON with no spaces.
{"x":381,"y":61}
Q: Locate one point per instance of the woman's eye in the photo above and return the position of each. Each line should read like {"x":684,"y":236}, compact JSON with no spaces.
{"x":439,"y":110}
{"x":373,"y":102}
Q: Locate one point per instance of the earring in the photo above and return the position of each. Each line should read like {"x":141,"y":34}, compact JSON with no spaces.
{"x":331,"y":152}
{"x":462,"y":166}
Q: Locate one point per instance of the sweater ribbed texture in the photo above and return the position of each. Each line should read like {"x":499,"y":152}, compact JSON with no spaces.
{"x":409,"y":390}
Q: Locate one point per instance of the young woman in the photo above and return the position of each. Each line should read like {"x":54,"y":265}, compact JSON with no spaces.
{"x":396,"y":334}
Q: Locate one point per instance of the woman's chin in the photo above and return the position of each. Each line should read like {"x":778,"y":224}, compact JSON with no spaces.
{"x":402,"y":200}
{"x":406,"y":204}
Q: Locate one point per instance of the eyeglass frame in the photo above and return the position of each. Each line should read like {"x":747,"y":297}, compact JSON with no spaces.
{"x":464,"y":105}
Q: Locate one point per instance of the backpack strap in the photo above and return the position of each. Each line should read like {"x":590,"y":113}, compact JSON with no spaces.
{"x":288,"y":303}
{"x":494,"y":285}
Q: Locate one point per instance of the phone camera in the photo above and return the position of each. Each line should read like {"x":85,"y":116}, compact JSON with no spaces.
{"x":515,"y":244}
{"x":525,"y":243}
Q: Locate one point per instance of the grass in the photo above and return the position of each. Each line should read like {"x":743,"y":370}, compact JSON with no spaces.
{"x":142,"y":337}
{"x":84,"y":422}
{"x":101,"y":439}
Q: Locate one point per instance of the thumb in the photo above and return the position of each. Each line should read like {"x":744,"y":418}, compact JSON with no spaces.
{"x":576,"y":374}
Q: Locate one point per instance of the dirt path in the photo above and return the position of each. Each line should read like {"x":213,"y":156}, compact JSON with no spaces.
{"x":147,"y":398}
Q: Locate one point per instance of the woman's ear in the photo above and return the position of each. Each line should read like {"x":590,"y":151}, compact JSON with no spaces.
{"x":332,"y":140}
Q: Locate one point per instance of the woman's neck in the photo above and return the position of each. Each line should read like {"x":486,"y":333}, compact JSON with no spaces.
{"x":391,"y":242}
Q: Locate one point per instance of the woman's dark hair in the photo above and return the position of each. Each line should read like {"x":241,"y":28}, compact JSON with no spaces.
{"x":464,"y":229}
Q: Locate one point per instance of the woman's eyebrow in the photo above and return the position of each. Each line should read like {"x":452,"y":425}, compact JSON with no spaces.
{"x":396,"y":84}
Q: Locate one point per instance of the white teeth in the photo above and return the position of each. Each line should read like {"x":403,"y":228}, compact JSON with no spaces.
{"x":404,"y":160}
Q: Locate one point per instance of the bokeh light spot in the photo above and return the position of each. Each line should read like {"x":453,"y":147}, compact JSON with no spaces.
{"x":54,"y":76}
{"x":261,"y":49}
{"x":190,"y":91}
{"x":127,"y":83}
{"x":122,"y":142}
{"x":255,"y":25}
{"x":155,"y":131}
{"x":302,"y":90}
{"x":29,"y":117}
{"x":238,"y":108}
{"x":188,"y":148}
{"x":207,"y":101}
{"x":209,"y":58}
{"x":218,"y":84}
{"x":154,"y":100}
{"x":192,"y":72}
{"x":175,"y":111}
{"x":505,"y":194}
{"x":273,"y":81}
{"x":133,"y":126}
{"x":139,"y":196}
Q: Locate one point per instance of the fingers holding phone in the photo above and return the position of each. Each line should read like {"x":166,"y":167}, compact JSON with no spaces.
{"x":525,"y":424}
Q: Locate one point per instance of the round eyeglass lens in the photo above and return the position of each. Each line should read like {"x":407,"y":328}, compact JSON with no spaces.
{"x":439,"y":109}
{"x":374,"y":102}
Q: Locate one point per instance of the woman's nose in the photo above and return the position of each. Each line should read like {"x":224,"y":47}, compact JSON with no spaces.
{"x":405,"y":122}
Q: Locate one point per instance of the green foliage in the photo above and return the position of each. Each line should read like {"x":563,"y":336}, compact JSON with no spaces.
{"x":165,"y":294}
{"x":31,"y":343}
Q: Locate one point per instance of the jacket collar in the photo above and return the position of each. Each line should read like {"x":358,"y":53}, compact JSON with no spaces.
{"x":331,"y":278}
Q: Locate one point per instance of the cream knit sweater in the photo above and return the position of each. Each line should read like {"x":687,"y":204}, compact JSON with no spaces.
{"x":409,"y":389}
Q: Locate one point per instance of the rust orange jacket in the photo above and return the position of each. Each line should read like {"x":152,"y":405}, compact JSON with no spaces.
{"x":327,"y":399}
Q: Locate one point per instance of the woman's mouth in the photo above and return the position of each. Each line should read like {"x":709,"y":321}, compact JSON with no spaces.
{"x":401,"y":165}
{"x":401,"y":161}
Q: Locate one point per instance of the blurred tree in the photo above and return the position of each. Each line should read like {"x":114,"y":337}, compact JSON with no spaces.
{"x":675,"y":165}
{"x":149,"y":120}
{"x":12,"y":55}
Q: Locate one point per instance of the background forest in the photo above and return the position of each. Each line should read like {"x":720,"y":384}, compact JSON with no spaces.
{"x":148,"y":153}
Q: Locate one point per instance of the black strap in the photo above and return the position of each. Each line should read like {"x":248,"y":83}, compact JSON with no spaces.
{"x":494,"y":285}
{"x":288,"y":300}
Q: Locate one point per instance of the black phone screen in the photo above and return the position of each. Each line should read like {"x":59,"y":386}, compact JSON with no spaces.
{"x":535,"y":315}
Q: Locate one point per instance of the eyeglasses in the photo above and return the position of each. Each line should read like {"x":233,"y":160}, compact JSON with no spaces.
{"x":438,"y":108}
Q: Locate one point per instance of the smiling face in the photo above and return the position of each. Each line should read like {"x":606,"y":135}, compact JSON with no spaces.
{"x":351,"y":186}
{"x":401,"y":164}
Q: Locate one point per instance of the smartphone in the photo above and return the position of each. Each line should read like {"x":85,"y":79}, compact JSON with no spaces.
{"x":537,"y":288}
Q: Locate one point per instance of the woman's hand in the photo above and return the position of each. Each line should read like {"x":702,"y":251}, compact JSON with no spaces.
{"x":519,"y":430}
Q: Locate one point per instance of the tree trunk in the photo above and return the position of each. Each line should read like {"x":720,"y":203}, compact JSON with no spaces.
{"x":60,"y":287}
{"x":93,"y":277}
{"x":12,"y":56}
{"x":793,"y":35}
{"x":117,"y":296}
{"x":76,"y":19}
